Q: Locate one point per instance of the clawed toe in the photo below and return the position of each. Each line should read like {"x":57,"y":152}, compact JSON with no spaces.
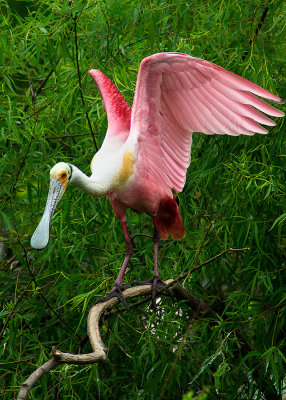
{"x":116,"y":291}
{"x":157,"y":284}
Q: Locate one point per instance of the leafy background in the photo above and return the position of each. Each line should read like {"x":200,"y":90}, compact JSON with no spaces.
{"x":51,"y":111}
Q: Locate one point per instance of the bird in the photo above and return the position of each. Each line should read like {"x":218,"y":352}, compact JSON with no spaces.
{"x":146,"y":151}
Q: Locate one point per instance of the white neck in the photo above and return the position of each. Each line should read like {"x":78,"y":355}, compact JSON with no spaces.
{"x":88,"y":183}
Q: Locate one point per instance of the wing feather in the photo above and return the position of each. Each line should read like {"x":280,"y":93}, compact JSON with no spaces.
{"x":236,"y":123}
{"x":241,"y":109}
{"x":159,"y":175}
{"x":117,"y":109}
{"x":176,"y":95}
{"x":247,"y":98}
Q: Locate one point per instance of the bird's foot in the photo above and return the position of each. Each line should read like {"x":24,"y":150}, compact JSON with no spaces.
{"x":116,"y":291}
{"x":156,"y":284}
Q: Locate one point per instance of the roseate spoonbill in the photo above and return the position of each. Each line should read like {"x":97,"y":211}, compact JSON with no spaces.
{"x":146,"y":151}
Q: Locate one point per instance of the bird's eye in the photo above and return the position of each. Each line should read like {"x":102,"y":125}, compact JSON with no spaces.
{"x":64,"y":175}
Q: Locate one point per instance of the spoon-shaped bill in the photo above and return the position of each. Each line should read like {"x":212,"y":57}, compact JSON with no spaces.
{"x":41,"y":236}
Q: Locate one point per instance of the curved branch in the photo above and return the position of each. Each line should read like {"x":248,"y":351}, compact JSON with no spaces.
{"x":99,"y":350}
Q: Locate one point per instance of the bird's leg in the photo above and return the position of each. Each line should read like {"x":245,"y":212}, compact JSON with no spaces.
{"x":156,"y":282}
{"x":156,"y":250}
{"x":118,"y":288}
{"x":128,"y":254}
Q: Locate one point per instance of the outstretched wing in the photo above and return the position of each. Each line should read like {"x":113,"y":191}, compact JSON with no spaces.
{"x":117,"y":109}
{"x":176,"y":95}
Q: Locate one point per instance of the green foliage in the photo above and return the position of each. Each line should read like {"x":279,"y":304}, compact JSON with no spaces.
{"x":190,"y":396}
{"x":239,"y":183}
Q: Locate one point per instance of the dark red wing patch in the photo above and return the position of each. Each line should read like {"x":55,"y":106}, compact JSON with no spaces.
{"x":168,"y":220}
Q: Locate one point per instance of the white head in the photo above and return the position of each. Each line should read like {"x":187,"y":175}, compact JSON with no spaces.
{"x":62,"y":171}
{"x":60,"y":177}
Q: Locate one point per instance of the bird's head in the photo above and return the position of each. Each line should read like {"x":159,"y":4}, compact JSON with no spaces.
{"x":63,"y":172}
{"x":60,"y":176}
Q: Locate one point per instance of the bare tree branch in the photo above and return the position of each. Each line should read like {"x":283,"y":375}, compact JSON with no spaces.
{"x":35,"y":376}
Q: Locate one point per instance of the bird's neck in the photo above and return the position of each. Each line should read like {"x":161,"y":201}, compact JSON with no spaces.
{"x":87,"y":183}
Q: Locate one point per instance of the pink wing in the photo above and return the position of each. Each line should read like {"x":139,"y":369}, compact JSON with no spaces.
{"x":176,"y":95}
{"x":117,"y":109}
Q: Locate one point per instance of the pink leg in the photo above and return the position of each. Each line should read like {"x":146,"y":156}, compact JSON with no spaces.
{"x":117,"y":289}
{"x":157,"y":283}
{"x":156,"y":249}
{"x":129,"y":251}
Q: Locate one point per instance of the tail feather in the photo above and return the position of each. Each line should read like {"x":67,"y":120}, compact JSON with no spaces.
{"x":168,"y":220}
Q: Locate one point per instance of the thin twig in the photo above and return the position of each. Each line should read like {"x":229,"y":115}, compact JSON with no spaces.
{"x":177,"y":355}
{"x":259,"y":26}
{"x":34,"y":94}
{"x":263,"y":16}
{"x":86,"y":8}
{"x":196,"y":267}
{"x":39,"y":109}
{"x":66,"y":136}
{"x":42,"y":84}
{"x":23,"y":161}
{"x":79,"y":80}
{"x":12,"y":312}
{"x":201,"y":245}
{"x":40,"y":292}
